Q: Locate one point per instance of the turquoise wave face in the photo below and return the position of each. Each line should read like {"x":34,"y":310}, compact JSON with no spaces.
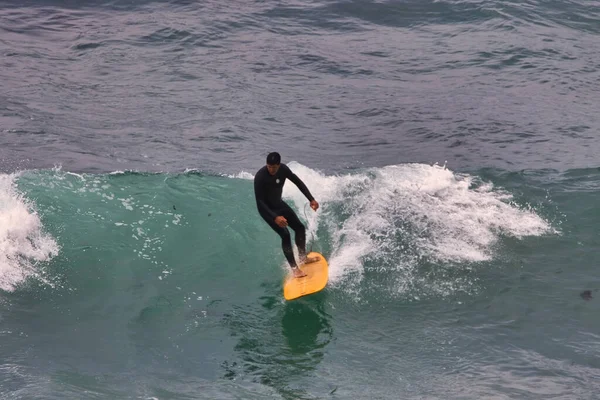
{"x":110,"y":227}
{"x":89,"y":232}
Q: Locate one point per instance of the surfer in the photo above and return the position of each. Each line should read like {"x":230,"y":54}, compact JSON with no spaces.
{"x":268,"y":186}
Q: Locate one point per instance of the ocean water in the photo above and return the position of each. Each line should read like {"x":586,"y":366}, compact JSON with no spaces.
{"x":450,"y":144}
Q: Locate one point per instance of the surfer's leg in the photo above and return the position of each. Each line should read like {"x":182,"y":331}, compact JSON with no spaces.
{"x":286,"y":242}
{"x":299,"y":230}
{"x":286,"y":245}
{"x":300,"y":234}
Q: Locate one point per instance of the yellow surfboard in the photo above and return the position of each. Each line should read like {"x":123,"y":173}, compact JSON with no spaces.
{"x":317,"y":274}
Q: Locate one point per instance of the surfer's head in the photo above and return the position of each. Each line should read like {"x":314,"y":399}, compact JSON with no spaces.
{"x":273,"y":162}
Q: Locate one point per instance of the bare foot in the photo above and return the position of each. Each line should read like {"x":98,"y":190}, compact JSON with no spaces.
{"x":308,"y":260}
{"x":298,"y":273}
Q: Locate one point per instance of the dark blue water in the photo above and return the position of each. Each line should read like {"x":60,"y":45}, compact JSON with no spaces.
{"x":165,"y":86}
{"x":449,"y":143}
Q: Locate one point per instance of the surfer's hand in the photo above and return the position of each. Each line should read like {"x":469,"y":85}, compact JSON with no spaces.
{"x":281,"y":221}
{"x":314,"y":205}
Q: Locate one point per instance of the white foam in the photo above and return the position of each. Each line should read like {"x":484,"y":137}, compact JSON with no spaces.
{"x":449,"y":220}
{"x":77,"y":175}
{"x":402,"y":215}
{"x":242,"y":175}
{"x":23,"y":244}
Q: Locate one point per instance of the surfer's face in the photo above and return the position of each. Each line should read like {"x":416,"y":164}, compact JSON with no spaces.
{"x":273,"y":168}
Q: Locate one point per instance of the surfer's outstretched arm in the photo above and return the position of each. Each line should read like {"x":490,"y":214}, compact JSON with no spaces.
{"x":298,"y":182}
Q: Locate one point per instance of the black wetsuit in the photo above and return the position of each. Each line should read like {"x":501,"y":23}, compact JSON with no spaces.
{"x":268,"y":189}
